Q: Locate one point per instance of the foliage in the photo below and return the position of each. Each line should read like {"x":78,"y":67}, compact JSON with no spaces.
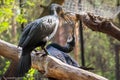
{"x":5,"y":16}
{"x":98,"y":53}
{"x":3,"y":67}
{"x":20,"y":18}
{"x":3,"y":26}
{"x":10,"y":10}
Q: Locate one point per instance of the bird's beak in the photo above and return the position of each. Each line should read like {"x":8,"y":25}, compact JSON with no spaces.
{"x":62,"y":14}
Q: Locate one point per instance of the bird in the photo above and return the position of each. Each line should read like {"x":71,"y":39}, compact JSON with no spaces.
{"x":61,"y":52}
{"x":36,"y":34}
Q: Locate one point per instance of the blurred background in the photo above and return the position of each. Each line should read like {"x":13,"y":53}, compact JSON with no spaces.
{"x":101,"y":51}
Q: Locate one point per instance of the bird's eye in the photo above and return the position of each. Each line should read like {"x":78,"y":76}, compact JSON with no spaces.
{"x":58,"y":9}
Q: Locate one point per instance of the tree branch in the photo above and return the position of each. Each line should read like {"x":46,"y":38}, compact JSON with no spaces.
{"x":97,"y":23}
{"x":100,"y":24}
{"x":50,"y":66}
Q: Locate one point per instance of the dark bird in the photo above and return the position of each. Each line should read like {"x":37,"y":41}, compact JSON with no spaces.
{"x":36,"y":34}
{"x":61,"y":52}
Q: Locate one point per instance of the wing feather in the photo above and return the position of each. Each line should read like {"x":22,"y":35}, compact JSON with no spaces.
{"x":24,"y":34}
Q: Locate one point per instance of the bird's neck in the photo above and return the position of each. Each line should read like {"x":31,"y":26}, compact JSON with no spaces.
{"x":53,"y":12}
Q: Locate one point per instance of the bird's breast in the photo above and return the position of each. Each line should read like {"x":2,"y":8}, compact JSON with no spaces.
{"x":49,"y":20}
{"x":50,"y":23}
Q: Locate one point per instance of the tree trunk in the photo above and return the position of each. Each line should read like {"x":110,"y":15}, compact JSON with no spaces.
{"x":50,"y":66}
{"x":117,"y":67}
{"x":2,"y":2}
{"x":13,"y":31}
{"x":117,"y":48}
{"x":77,"y":49}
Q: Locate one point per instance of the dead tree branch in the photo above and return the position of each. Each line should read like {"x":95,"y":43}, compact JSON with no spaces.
{"x":50,"y":66}
{"x":97,"y":23}
{"x":100,"y":24}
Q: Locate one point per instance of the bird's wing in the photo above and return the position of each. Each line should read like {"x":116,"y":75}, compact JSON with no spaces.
{"x":56,"y":53}
{"x":25,"y":34}
{"x":38,"y":31}
{"x":30,"y":35}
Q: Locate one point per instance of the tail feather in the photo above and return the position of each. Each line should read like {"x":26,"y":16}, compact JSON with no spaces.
{"x":24,"y":65}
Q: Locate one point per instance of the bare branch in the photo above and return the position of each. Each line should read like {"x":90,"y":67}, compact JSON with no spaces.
{"x":97,"y":23}
{"x":50,"y":66}
{"x":100,"y":24}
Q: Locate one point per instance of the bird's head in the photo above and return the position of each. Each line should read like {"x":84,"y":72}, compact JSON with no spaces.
{"x":71,"y":40}
{"x":56,"y":9}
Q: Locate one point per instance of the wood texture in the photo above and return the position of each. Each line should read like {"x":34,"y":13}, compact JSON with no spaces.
{"x":48,"y":65}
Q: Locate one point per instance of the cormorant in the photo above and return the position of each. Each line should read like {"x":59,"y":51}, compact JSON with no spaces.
{"x":35,"y":34}
{"x":60,"y":52}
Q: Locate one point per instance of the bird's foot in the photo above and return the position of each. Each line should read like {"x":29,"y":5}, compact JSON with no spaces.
{"x":37,"y":53}
{"x":43,"y":55}
{"x":46,"y":52}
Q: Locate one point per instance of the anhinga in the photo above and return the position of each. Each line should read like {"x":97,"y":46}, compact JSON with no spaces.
{"x":35,"y":34}
{"x":60,"y":52}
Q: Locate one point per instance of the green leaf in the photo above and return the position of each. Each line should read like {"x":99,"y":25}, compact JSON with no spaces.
{"x":21,"y":19}
{"x":3,"y":26}
{"x":30,"y":3}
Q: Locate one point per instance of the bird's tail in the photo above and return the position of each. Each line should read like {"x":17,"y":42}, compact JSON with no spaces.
{"x":24,"y":65}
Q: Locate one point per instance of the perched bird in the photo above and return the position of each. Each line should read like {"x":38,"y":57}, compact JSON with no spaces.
{"x":35,"y":34}
{"x":60,"y":52}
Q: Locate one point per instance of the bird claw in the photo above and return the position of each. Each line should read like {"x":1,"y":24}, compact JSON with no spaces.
{"x":37,"y":53}
{"x":43,"y":55}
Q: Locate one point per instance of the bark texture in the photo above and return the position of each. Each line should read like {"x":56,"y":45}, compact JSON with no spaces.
{"x":97,"y":23}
